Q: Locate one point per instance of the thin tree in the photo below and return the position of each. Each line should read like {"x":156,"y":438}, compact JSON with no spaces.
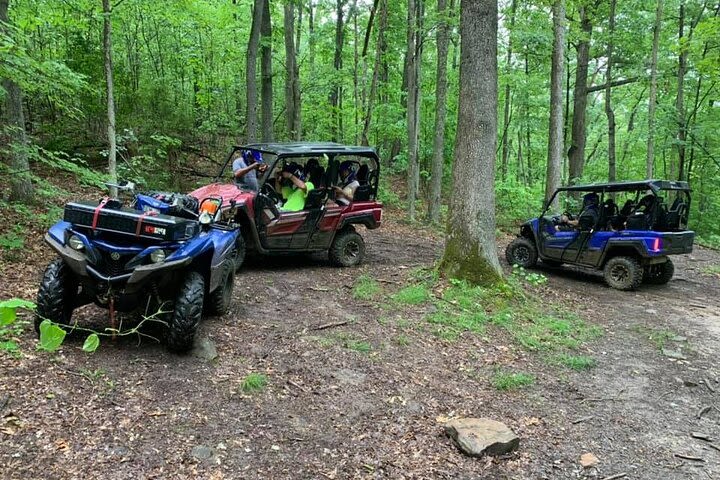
{"x":21,"y":188}
{"x":266,"y":88}
{"x":612,"y":174}
{"x":107,"y":48}
{"x":578,"y":134}
{"x":650,"y":159}
{"x":251,"y":93}
{"x":337,"y":91}
{"x":555,"y":138}
{"x":470,"y":249}
{"x":506,"y":108}
{"x":382,"y":6}
{"x":413,"y":104}
{"x":292,"y":80}
{"x":436,"y":172}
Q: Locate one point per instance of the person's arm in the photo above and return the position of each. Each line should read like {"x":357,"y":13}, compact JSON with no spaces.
{"x":241,"y":172}
{"x":296,"y":181}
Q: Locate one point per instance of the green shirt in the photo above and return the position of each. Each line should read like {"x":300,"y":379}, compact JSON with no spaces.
{"x":295,"y":197}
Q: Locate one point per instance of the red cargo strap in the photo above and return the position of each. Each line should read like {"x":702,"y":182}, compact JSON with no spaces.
{"x":140,"y":220}
{"x":96,"y":214}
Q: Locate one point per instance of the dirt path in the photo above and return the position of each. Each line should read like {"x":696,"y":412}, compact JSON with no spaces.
{"x":363,"y":399}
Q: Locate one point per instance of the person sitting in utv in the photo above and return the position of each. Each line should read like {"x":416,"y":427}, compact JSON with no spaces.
{"x":291,"y":185}
{"x":346,"y":190}
{"x":245,"y":167}
{"x":588,"y":216}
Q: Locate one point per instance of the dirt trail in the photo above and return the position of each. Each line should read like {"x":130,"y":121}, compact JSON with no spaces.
{"x":362,"y":400}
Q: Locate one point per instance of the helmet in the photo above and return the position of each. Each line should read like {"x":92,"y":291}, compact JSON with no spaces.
{"x":591,"y":199}
{"x":252,"y":156}
{"x":349,"y":167}
{"x":294,"y":169}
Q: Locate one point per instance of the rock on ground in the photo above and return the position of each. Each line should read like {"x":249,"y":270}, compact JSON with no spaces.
{"x":481,"y":436}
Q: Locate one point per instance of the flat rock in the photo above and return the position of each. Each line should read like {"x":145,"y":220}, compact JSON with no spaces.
{"x":205,"y":349}
{"x":674,"y":354}
{"x":588,"y":460}
{"x":481,"y":436}
{"x":202,"y":452}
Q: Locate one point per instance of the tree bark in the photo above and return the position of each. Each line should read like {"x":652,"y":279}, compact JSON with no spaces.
{"x":680,"y":98}
{"x":21,"y":188}
{"x":311,"y":38}
{"x":266,"y":89}
{"x":470,"y":249}
{"x":251,"y":94}
{"x":382,"y":5}
{"x":557,"y":73}
{"x":612,"y":174}
{"x":336,"y":91}
{"x":413,"y":106}
{"x":107,"y":48}
{"x":292,"y":82}
{"x":578,"y":134}
{"x":506,"y":108}
{"x":438,"y":159}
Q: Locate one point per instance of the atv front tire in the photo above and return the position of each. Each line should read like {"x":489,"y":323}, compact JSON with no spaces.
{"x":219,"y":300}
{"x":187,"y":313}
{"x":659,"y":274}
{"x":521,"y":252}
{"x":56,"y":295}
{"x":623,"y":273}
{"x":348,"y":249}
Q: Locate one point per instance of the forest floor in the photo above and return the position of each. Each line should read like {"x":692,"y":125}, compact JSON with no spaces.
{"x":367,"y":398}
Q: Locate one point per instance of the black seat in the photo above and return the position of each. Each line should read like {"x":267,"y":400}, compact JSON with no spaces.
{"x":608,"y":213}
{"x":315,"y":199}
{"x":362,"y":174}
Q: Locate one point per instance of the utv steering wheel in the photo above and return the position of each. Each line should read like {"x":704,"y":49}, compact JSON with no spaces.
{"x":569,"y":215}
{"x":269,"y":191}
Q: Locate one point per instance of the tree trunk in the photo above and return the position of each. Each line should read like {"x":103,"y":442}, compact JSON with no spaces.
{"x":336,"y":91}
{"x":21,"y":188}
{"x":107,"y":48}
{"x":292,"y":83}
{"x":413,"y":106}
{"x":470,"y":249}
{"x":440,"y":114}
{"x":251,"y":95}
{"x":266,"y":89}
{"x":577,"y":138}
{"x":506,"y":108}
{"x":382,"y":5}
{"x":650,"y":159}
{"x":680,"y":98}
{"x":555,"y":139}
{"x":311,"y":38}
{"x":612,"y":174}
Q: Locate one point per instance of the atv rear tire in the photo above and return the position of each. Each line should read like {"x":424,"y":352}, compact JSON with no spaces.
{"x":219,"y":300}
{"x":521,"y":252}
{"x":348,"y":249}
{"x":187,"y":313}
{"x":56,"y":295}
{"x":659,"y":274}
{"x":240,"y":251}
{"x":623,"y":273}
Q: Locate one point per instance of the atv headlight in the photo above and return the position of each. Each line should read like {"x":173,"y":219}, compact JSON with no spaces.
{"x":158,"y":256}
{"x":205,"y":218}
{"x":75,"y":243}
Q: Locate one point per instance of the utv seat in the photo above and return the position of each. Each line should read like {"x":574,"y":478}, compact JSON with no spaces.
{"x":362,"y":193}
{"x":315,"y":199}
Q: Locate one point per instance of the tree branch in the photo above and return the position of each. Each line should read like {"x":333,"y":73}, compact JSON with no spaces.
{"x":616,"y":83}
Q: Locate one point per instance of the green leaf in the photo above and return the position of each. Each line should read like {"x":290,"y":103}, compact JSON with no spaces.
{"x":92,"y":342}
{"x":7,"y":316}
{"x":9,"y":346}
{"x":51,"y":336}
{"x":8,"y":309}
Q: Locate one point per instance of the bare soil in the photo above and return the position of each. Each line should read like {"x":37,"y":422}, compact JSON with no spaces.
{"x":366,"y":399}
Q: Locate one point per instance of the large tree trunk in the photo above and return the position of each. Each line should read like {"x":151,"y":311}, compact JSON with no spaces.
{"x":555,"y":139}
{"x":506,"y":108}
{"x":612,"y":174}
{"x":251,"y":94}
{"x":311,"y":38}
{"x":470,"y":249}
{"x":438,"y":159}
{"x":21,"y":188}
{"x":680,"y":98}
{"x":650,"y":159}
{"x":577,"y":139}
{"x":413,"y":106}
{"x":107,"y":48}
{"x":292,"y":81}
{"x":266,"y":89}
{"x":336,"y":92}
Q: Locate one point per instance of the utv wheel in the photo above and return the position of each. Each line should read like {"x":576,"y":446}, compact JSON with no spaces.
{"x":239,"y":255}
{"x":348,"y":249}
{"x":220,"y":299}
{"x":623,"y":273}
{"x":521,"y":252}
{"x":659,"y":274}
{"x":56,"y":295}
{"x":187,"y":313}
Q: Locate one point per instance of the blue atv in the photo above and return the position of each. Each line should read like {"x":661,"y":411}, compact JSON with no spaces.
{"x":627,"y":230}
{"x":161,"y":255}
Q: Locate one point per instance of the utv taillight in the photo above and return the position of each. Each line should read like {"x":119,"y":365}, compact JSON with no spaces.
{"x":657,"y":244}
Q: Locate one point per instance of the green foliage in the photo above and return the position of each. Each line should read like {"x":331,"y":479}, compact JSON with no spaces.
{"x":552,"y":332}
{"x":366,"y":287}
{"x":51,"y":336}
{"x":503,"y":380}
{"x":576,"y":362}
{"x":533,"y":278}
{"x":402,"y":340}
{"x":412,"y":295}
{"x":358,"y":346}
{"x":657,"y":336}
{"x":254,"y":382}
{"x":92,"y":342}
{"x":12,"y":242}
